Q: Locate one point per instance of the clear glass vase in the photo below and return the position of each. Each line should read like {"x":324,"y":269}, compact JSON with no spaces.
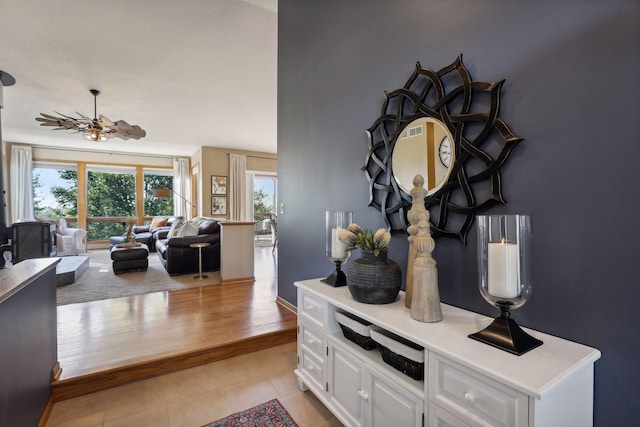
{"x":504,"y":278}
{"x":335,"y":250}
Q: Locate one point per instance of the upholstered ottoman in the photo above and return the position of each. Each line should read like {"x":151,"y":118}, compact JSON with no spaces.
{"x":115,"y":240}
{"x":128,"y":258}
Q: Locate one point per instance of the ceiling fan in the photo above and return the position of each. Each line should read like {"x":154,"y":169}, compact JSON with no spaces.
{"x":96,"y":129}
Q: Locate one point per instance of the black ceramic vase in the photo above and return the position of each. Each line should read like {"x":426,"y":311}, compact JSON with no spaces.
{"x":374,"y":279}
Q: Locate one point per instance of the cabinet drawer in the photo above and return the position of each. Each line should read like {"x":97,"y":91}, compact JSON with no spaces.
{"x":438,"y":417}
{"x":314,"y":367}
{"x":311,"y":340}
{"x":313,"y":309}
{"x":473,"y":397}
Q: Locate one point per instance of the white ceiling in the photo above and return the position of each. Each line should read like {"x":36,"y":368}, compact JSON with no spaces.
{"x":191,"y":73}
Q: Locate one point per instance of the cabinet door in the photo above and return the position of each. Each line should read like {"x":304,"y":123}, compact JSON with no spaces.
{"x":390,"y":405}
{"x":345,"y":385}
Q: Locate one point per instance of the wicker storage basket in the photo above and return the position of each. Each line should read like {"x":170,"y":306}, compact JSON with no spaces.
{"x":356,"y":329}
{"x":403,"y":355}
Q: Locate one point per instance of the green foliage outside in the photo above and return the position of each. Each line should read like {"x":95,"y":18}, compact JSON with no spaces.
{"x":109,"y":195}
{"x":261,"y":203}
{"x":66,"y":197}
{"x":154,"y":206}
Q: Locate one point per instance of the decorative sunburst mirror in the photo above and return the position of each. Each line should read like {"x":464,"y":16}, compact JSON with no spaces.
{"x":445,"y":127}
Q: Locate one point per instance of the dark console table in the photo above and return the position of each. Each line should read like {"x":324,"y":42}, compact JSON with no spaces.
{"x":28,"y":333}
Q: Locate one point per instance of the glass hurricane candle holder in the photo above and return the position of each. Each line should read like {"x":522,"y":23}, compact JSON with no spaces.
{"x":335,"y":250}
{"x":504,"y":278}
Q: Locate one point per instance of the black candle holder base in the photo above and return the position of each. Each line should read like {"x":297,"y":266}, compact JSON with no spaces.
{"x":504,"y":333}
{"x":337,"y":278}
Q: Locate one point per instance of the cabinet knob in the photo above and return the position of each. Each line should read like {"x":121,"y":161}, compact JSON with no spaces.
{"x":469,"y":397}
{"x":363,"y":394}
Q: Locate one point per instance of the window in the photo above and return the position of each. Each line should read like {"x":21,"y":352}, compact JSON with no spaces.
{"x":154,"y":179}
{"x":264,"y":194}
{"x":111,"y":200}
{"x":55,"y":191}
{"x":100,"y":198}
{"x":264,"y":205}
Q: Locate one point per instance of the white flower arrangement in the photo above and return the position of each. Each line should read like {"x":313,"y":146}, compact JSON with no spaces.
{"x":355,"y":237}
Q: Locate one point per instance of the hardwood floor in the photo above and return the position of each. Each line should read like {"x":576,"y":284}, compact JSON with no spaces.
{"x":107,"y":343}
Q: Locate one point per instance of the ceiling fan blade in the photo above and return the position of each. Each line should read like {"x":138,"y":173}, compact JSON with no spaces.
{"x":125,"y":130}
{"x":83,"y":116}
{"x":48,"y":120}
{"x":48,"y":116}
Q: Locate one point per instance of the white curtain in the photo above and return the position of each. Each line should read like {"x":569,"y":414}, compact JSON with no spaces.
{"x":238,"y":192}
{"x":182,"y":187}
{"x":21,"y":184}
{"x":249,"y":192}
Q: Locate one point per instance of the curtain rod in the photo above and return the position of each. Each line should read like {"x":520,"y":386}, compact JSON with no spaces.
{"x":258,"y":157}
{"x":85,"y":150}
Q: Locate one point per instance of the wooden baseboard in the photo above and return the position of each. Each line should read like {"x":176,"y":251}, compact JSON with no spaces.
{"x":56,"y":371}
{"x":47,"y":412}
{"x":286,"y":304}
{"x":237,"y":280}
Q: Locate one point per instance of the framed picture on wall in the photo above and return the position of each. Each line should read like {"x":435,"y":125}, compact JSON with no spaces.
{"x":218,"y":184}
{"x":218,"y":205}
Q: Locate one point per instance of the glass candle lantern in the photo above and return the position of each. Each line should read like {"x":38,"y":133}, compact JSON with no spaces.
{"x":504,"y":278}
{"x":335,"y":250}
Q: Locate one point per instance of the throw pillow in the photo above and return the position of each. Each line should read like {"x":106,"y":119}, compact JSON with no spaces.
{"x":175,"y":227}
{"x":157,"y":223}
{"x":188,"y":229}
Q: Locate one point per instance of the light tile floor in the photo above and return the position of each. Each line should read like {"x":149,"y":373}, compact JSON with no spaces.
{"x":197,"y":396}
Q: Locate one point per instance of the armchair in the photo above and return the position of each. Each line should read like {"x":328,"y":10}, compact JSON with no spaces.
{"x":70,"y":241}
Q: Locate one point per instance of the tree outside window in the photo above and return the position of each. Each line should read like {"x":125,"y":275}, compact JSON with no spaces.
{"x":55,"y":191}
{"x":154,"y":179}
{"x":111,"y":193}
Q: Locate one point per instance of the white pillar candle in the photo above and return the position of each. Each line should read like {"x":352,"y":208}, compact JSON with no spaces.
{"x":338,"y":249}
{"x":503,"y":270}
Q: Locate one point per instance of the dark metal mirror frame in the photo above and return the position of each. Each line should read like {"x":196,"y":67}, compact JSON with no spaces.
{"x":462,"y":105}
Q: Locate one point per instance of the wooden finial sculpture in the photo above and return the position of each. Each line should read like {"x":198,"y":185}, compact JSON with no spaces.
{"x":418,"y":193}
{"x":425,"y":306}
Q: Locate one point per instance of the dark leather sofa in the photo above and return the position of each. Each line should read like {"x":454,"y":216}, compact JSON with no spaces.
{"x":179,"y":258}
{"x":143,"y":234}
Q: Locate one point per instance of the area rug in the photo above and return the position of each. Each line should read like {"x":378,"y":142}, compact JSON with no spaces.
{"x":98,"y":282}
{"x":268,"y":414}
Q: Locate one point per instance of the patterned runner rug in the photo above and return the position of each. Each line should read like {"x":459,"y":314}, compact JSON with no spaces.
{"x":268,"y":414}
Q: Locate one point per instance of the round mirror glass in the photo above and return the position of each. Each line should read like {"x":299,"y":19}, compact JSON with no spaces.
{"x":424,"y":147}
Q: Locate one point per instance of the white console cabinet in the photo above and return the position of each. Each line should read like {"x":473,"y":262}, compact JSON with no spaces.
{"x":364,"y":395}
{"x":466,"y":383}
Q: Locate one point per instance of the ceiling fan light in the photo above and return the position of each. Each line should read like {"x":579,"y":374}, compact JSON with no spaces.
{"x":94,"y":135}
{"x":92,"y":129}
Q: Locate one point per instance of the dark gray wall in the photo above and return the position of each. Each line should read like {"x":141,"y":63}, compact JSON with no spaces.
{"x":572,"y":91}
{"x":29,"y":347}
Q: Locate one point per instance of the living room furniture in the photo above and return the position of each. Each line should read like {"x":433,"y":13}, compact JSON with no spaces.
{"x":465,"y":382}
{"x":70,"y":268}
{"x":130,"y":258}
{"x":32,"y":239}
{"x":149,"y":234}
{"x":200,"y":246}
{"x":177,"y":255}
{"x":146,"y":233}
{"x":70,"y":241}
{"x":236,"y":251}
{"x":28,"y":333}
